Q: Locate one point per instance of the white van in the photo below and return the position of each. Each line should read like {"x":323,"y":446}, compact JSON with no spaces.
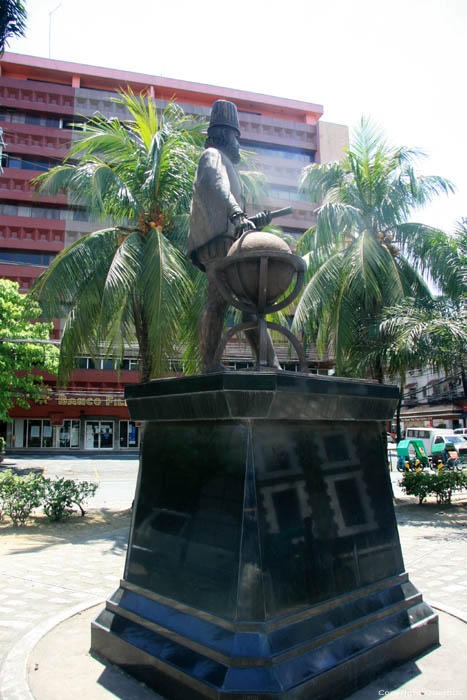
{"x":427,"y":436}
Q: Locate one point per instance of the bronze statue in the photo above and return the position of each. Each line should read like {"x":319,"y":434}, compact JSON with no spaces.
{"x":217,"y":219}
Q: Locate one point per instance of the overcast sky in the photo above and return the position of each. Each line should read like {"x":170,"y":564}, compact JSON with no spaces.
{"x":401,"y":63}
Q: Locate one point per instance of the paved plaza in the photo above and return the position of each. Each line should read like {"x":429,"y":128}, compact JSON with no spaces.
{"x":45,"y":578}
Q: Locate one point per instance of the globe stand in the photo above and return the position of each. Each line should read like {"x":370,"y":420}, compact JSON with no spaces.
{"x":231,"y":285}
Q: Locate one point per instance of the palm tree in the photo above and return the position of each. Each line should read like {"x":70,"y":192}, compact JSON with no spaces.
{"x":434,"y":333}
{"x":359,"y":253}
{"x":129,"y":282}
{"x":12,"y":21}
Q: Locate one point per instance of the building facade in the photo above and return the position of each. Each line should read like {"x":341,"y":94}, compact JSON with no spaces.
{"x":40,"y":100}
{"x":432,"y":400}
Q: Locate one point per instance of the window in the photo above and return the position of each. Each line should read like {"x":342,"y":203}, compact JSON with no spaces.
{"x":99,"y":435}
{"x":68,"y":435}
{"x":80,"y":215}
{"x":28,"y":163}
{"x":47,"y":212}
{"x":106,"y":363}
{"x":129,"y":364}
{"x":40,"y":212}
{"x":9,"y":209}
{"x":129,"y":434}
{"x":37,"y":433}
{"x":85,"y":363}
{"x":18,"y":257}
{"x":266,"y":149}
{"x":30,"y":118}
{"x":71,"y":124}
{"x":288,"y":193}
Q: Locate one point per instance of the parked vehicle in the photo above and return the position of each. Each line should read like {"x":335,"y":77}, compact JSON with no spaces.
{"x":411,"y":455}
{"x":461,"y":431}
{"x":451,"y":450}
{"x":430,"y":436}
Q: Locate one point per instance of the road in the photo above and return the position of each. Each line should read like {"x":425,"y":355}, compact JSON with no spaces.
{"x":116,"y":476}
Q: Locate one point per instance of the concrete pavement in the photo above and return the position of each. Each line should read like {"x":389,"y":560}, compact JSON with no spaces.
{"x":67,"y":576}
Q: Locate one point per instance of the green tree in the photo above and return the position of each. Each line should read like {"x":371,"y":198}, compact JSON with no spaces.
{"x":17,"y":359}
{"x":130,"y":282}
{"x":429,"y":332}
{"x":359,"y":253}
{"x":12,"y":21}
{"x":433,"y":333}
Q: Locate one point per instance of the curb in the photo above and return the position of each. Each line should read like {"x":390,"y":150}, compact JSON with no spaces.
{"x":454,"y":612}
{"x":14,"y":672}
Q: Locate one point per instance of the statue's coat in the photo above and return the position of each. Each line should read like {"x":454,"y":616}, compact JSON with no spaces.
{"x":217,"y":194}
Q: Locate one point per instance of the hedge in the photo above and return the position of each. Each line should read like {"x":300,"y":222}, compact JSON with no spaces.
{"x":19,"y":495}
{"x":441,"y":484}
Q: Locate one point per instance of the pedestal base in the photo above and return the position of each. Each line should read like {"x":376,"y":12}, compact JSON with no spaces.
{"x":264,"y":559}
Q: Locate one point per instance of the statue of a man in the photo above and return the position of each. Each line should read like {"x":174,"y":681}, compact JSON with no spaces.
{"x":217,"y":219}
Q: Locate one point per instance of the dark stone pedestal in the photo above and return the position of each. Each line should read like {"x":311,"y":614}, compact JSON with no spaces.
{"x":264,"y":559}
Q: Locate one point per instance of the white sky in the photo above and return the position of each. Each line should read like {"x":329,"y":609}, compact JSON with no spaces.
{"x":402,"y":62}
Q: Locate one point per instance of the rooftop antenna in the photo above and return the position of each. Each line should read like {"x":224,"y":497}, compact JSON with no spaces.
{"x":50,"y":25}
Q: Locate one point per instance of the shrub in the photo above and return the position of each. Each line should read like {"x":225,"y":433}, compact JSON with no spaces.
{"x":60,"y":495}
{"x":417,"y":484}
{"x":441,"y":484}
{"x":19,"y":495}
{"x":2,"y":444}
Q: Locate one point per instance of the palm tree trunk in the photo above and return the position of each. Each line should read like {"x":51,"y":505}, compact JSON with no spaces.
{"x":398,"y":416}
{"x":379,"y":373}
{"x":145,"y":358}
{"x":141,"y":330}
{"x":464,"y":382}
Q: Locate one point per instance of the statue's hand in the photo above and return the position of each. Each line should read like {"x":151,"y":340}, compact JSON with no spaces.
{"x":262,"y":219}
{"x":242,"y":224}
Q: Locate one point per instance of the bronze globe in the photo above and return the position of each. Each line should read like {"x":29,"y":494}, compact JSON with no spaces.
{"x":243,"y":275}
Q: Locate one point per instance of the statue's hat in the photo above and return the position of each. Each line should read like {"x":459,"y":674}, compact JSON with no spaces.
{"x":224,"y":113}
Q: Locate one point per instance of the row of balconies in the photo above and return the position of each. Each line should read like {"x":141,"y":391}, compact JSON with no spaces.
{"x":15,"y":184}
{"x":434,"y":398}
{"x":25,"y":276}
{"x":36,"y":140}
{"x":44,"y":235}
{"x":42,"y":97}
{"x":254,"y":127}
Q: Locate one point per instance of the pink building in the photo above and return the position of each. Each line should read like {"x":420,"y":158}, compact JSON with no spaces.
{"x":39,"y":100}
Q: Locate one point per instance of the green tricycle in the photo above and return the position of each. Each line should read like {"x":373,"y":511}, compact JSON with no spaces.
{"x":445,"y":455}
{"x":411,"y":456}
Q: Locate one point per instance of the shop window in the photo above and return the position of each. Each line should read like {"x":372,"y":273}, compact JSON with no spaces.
{"x":68,"y":435}
{"x":37,"y":433}
{"x":129,"y":434}
{"x":99,"y":435}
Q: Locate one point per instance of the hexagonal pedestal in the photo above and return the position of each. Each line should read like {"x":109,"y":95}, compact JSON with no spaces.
{"x":264,"y":559}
